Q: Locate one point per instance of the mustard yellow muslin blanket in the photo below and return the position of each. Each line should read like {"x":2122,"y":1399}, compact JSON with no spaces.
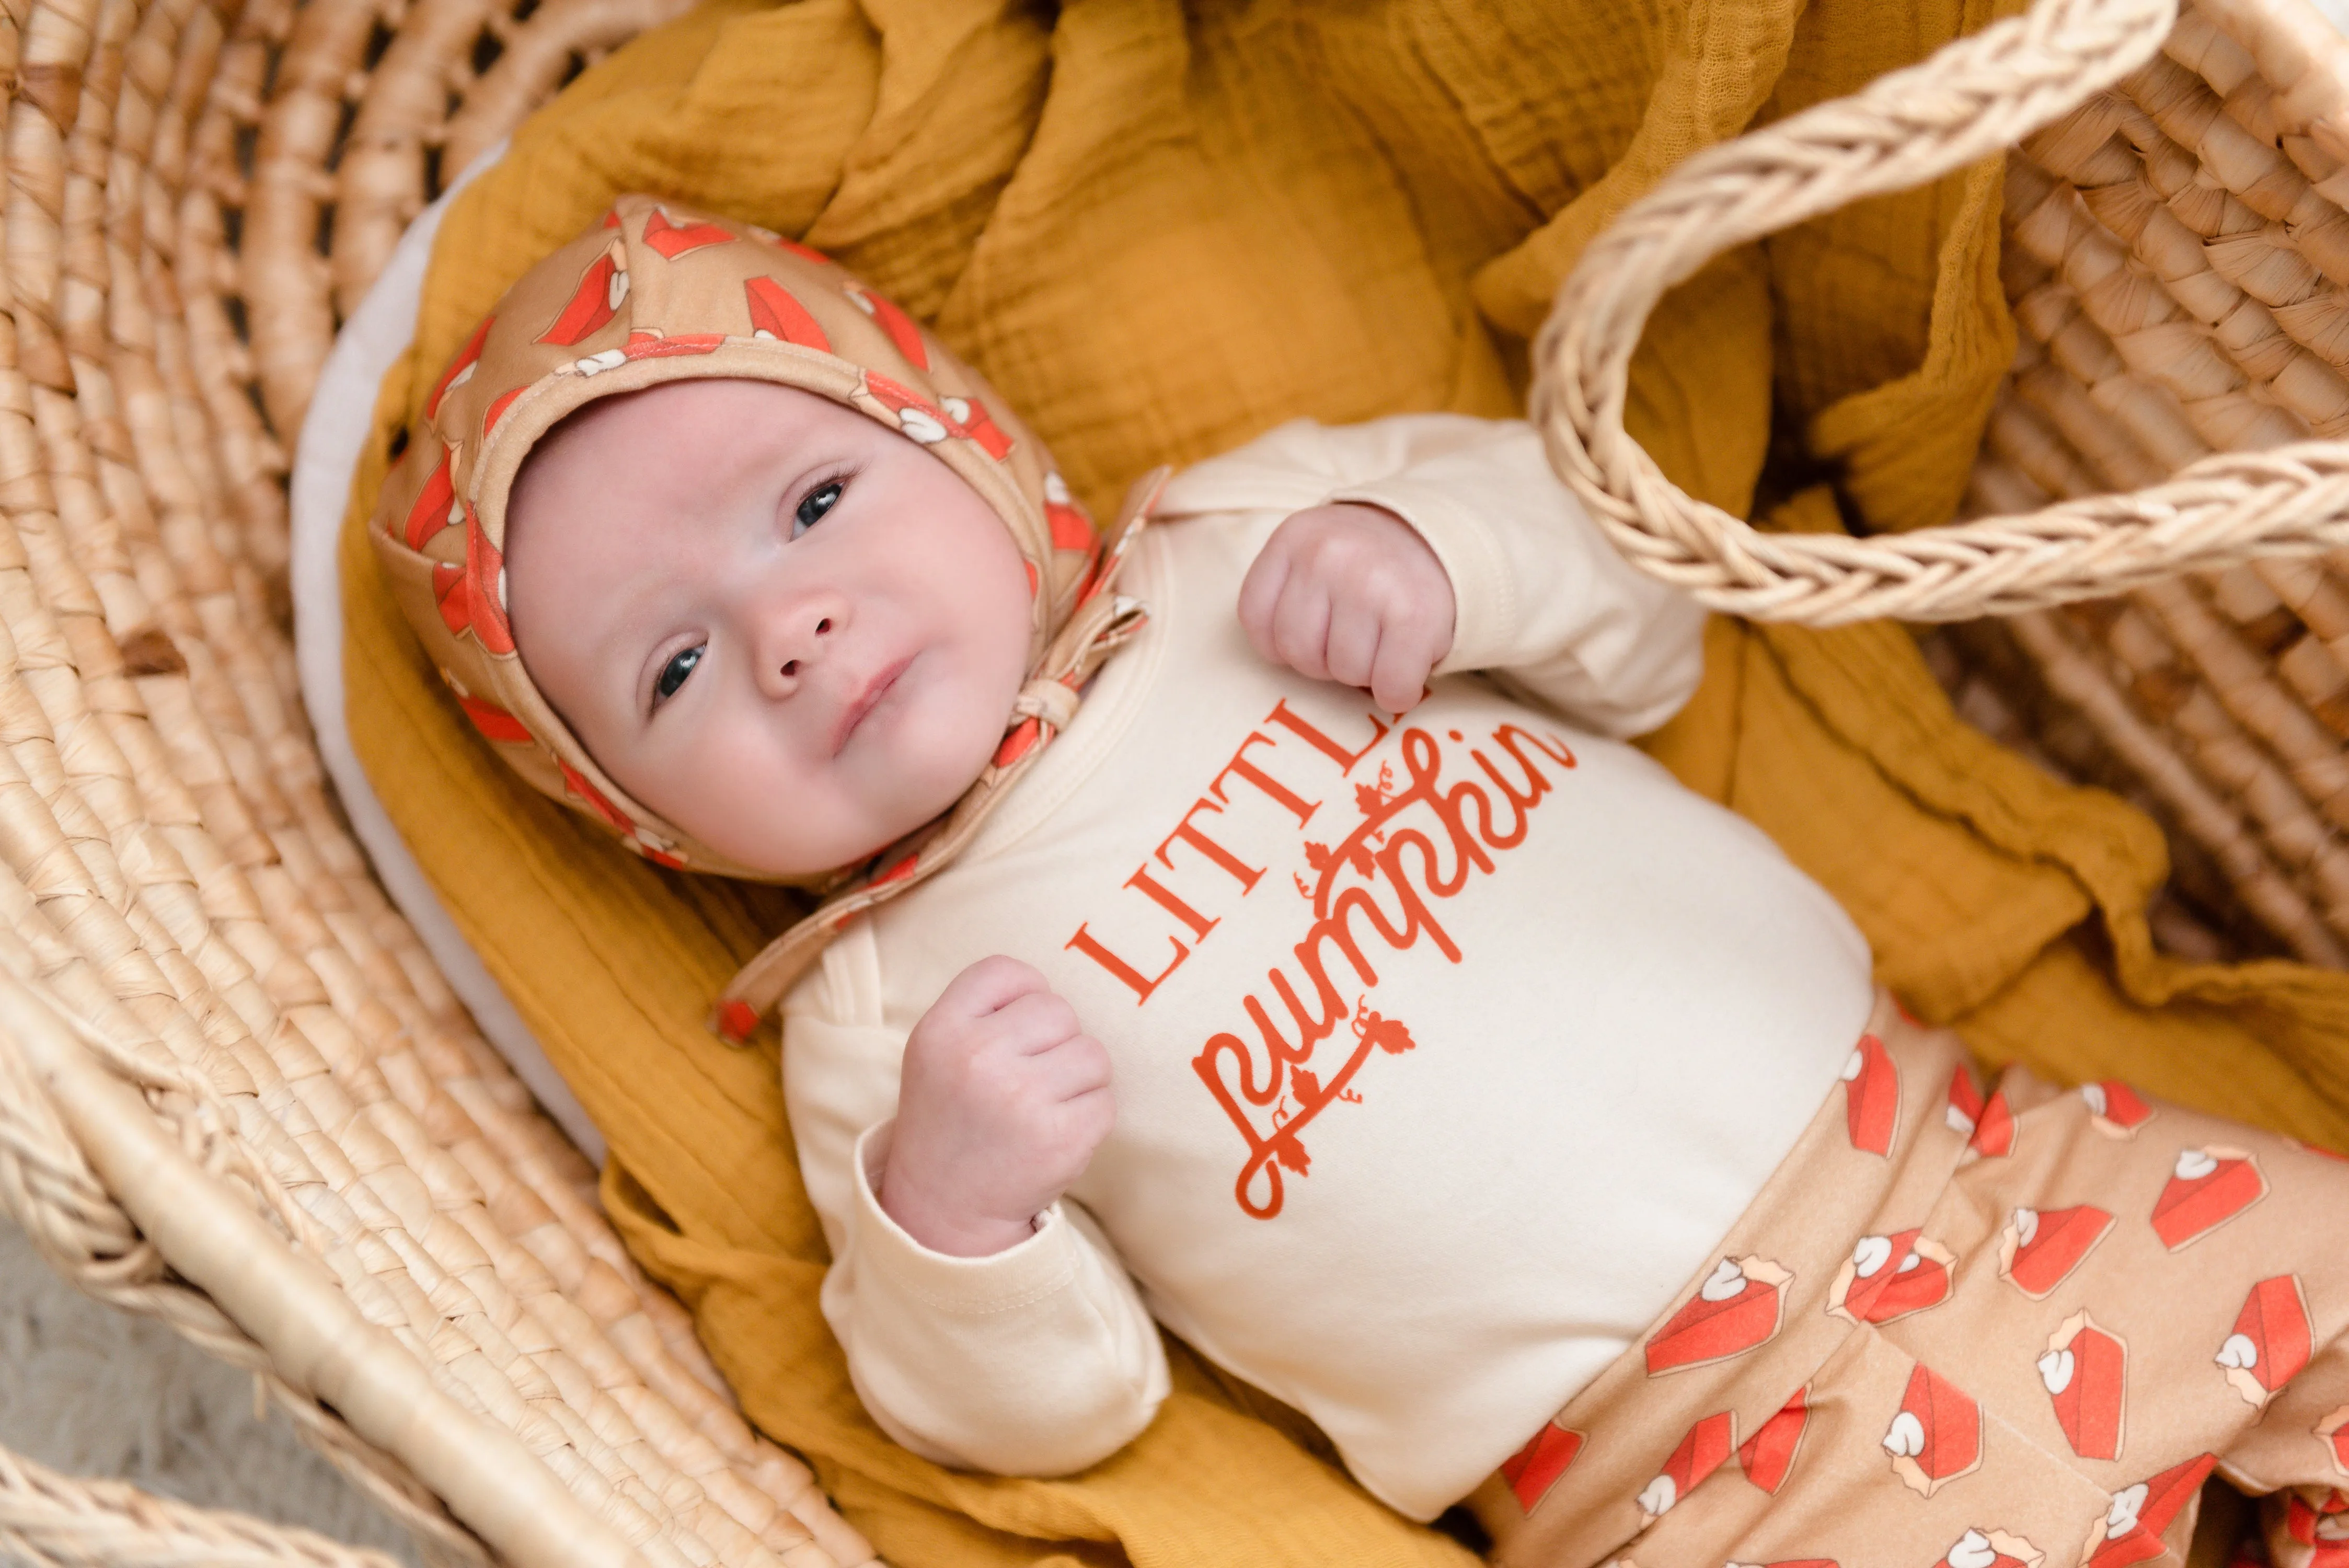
{"x":1159,"y":230}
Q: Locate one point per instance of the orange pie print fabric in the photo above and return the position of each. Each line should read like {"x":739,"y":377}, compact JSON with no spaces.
{"x":1971,"y":1326}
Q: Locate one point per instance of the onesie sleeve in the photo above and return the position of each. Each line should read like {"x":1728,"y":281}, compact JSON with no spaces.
{"x":1543,"y":599}
{"x":1038,"y":1360}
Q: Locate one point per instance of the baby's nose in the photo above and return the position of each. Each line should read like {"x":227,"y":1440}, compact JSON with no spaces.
{"x":798,"y":637}
{"x":817,"y":634}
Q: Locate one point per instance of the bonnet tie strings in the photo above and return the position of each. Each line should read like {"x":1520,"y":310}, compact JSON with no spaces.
{"x":1102,"y":622}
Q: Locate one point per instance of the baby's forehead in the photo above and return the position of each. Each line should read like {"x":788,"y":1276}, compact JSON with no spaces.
{"x":675,"y":439}
{"x":764,"y":413}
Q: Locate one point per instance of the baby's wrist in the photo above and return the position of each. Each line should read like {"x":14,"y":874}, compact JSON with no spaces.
{"x":947,"y":1228}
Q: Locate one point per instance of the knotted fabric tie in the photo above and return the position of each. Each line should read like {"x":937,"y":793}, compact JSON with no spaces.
{"x":1101,"y":623}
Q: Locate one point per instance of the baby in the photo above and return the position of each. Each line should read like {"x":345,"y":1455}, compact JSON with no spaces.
{"x":1250,"y":919}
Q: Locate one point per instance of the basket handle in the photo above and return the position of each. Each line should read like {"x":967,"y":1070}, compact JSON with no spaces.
{"x":52,"y":1521}
{"x":1972,"y":98}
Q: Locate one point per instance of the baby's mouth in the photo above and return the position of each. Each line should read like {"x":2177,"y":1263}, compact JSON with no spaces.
{"x":867,"y":700}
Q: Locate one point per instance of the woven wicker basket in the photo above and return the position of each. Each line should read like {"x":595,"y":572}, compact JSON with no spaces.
{"x":2176,"y":253}
{"x":235,"y":1095}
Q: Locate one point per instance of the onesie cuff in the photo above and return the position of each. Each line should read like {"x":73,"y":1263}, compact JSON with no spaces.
{"x":1484,"y":600}
{"x":1018,"y":1276}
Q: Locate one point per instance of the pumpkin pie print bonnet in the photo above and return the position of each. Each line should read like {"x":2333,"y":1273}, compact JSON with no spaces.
{"x":656,"y":293}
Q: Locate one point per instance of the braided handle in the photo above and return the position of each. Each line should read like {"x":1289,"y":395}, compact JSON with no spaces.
{"x":1973,"y":99}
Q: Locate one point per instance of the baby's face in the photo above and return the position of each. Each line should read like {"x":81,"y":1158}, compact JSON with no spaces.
{"x":781,"y":624}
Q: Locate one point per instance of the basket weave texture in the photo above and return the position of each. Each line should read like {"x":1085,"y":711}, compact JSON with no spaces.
{"x":234,"y":1092}
{"x":2179,"y":262}
{"x":177,"y":881}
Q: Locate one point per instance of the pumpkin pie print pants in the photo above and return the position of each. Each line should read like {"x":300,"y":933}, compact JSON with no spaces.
{"x":1972,"y":1329}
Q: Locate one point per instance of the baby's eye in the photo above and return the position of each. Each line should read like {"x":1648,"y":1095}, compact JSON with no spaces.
{"x":817,"y":503}
{"x":673,"y":673}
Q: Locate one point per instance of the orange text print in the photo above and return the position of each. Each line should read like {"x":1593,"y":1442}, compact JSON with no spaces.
{"x":1376,"y":891}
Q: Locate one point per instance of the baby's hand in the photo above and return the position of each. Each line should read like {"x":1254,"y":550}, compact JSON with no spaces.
{"x":1002,"y":1102}
{"x":1350,"y":593}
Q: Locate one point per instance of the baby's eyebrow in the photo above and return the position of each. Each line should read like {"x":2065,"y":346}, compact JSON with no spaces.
{"x":623,"y":642}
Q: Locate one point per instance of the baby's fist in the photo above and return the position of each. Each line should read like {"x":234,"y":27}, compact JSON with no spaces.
{"x":1001,"y":1102}
{"x":1350,"y":593}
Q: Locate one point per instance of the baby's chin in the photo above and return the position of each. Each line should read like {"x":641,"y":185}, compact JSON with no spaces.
{"x":912,"y":760}
{"x":872,"y":805}
{"x":917,"y":789}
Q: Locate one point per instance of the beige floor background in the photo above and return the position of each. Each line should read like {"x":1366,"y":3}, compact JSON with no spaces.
{"x":92,"y":1391}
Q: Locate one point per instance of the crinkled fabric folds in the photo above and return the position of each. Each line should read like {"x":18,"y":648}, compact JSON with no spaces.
{"x":1159,"y":231}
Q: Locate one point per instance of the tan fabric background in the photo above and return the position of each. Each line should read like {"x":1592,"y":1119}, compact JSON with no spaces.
{"x":1158,"y":234}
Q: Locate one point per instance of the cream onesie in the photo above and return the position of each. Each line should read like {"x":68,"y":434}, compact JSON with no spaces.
{"x":1445,"y":1046}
